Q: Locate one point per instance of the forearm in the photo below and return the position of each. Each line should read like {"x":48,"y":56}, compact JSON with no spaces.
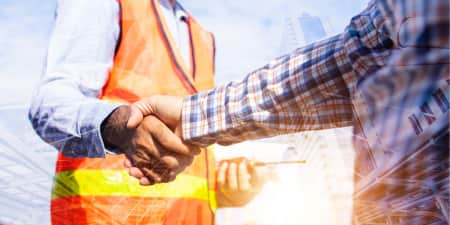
{"x":282,"y":97}
{"x":66,"y":111}
{"x":69,"y":121}
{"x":309,"y":89}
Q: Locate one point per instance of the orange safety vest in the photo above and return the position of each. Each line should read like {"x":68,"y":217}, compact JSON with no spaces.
{"x":100,"y":191}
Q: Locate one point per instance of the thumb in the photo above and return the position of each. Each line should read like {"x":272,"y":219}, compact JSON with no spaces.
{"x":135,"y":118}
{"x":139,"y":109}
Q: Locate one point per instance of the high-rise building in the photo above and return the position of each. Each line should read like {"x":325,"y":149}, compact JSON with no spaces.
{"x":312,"y":28}
{"x":301,"y":31}
{"x":327,"y":177}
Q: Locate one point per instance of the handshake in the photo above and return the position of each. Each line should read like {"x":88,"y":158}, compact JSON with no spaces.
{"x":148,"y":132}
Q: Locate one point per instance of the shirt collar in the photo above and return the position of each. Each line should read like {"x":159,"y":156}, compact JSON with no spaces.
{"x":179,"y":12}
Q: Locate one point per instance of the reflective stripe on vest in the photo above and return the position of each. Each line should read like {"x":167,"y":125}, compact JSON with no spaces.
{"x":118,"y":182}
{"x":88,"y":191}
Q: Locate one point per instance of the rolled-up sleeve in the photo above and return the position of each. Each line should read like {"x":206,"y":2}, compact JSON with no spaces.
{"x":65,"y":109}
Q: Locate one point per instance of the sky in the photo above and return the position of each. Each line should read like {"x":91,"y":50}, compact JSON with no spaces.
{"x":248,"y":35}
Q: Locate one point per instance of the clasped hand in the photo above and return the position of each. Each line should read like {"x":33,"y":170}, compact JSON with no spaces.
{"x":151,"y":141}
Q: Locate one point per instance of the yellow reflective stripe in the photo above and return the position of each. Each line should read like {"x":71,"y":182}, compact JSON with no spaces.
{"x":212,"y":200}
{"x":119,"y":183}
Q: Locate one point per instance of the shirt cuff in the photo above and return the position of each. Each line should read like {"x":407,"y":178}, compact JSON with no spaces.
{"x":196,"y":129}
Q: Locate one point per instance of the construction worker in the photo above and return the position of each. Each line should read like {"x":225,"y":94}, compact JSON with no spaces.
{"x":386,"y":74}
{"x":104,"y":54}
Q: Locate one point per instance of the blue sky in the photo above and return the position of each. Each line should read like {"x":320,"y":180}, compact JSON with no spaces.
{"x":26,"y":26}
{"x":248,"y":34}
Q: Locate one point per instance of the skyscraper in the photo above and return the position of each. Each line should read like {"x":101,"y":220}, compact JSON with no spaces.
{"x":301,"y":31}
{"x":312,"y":28}
{"x":329,"y":154}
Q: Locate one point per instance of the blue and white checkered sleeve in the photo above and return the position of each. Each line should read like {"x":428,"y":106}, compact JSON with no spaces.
{"x":309,"y":89}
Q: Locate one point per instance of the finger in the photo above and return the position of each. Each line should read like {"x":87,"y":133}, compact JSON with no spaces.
{"x":167,"y":139}
{"x":177,"y":163}
{"x":171,"y":162}
{"x":136,"y":117}
{"x":167,"y":108}
{"x":127,"y":163}
{"x":221,"y":174}
{"x":243,"y":176}
{"x":161,"y":159}
{"x":135,"y":172}
{"x":146,"y":149}
{"x":168,"y":176}
{"x":145,"y":106}
{"x":172,"y":176}
{"x":149,"y":158}
{"x":151,"y":175}
{"x":253,"y":172}
{"x":145,"y":182}
{"x":191,"y":149}
{"x":232,"y":177}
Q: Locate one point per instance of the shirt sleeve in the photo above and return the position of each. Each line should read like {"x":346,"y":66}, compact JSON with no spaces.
{"x":309,"y":89}
{"x":65,"y":110}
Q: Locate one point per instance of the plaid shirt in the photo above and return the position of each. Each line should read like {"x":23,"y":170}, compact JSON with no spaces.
{"x":387,"y":75}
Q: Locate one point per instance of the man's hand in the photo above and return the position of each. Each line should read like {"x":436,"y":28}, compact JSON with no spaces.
{"x":151,"y":146}
{"x":166,"y":108}
{"x":238,"y":182}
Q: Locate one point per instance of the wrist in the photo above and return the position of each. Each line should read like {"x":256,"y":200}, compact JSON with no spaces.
{"x":114,"y":131}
